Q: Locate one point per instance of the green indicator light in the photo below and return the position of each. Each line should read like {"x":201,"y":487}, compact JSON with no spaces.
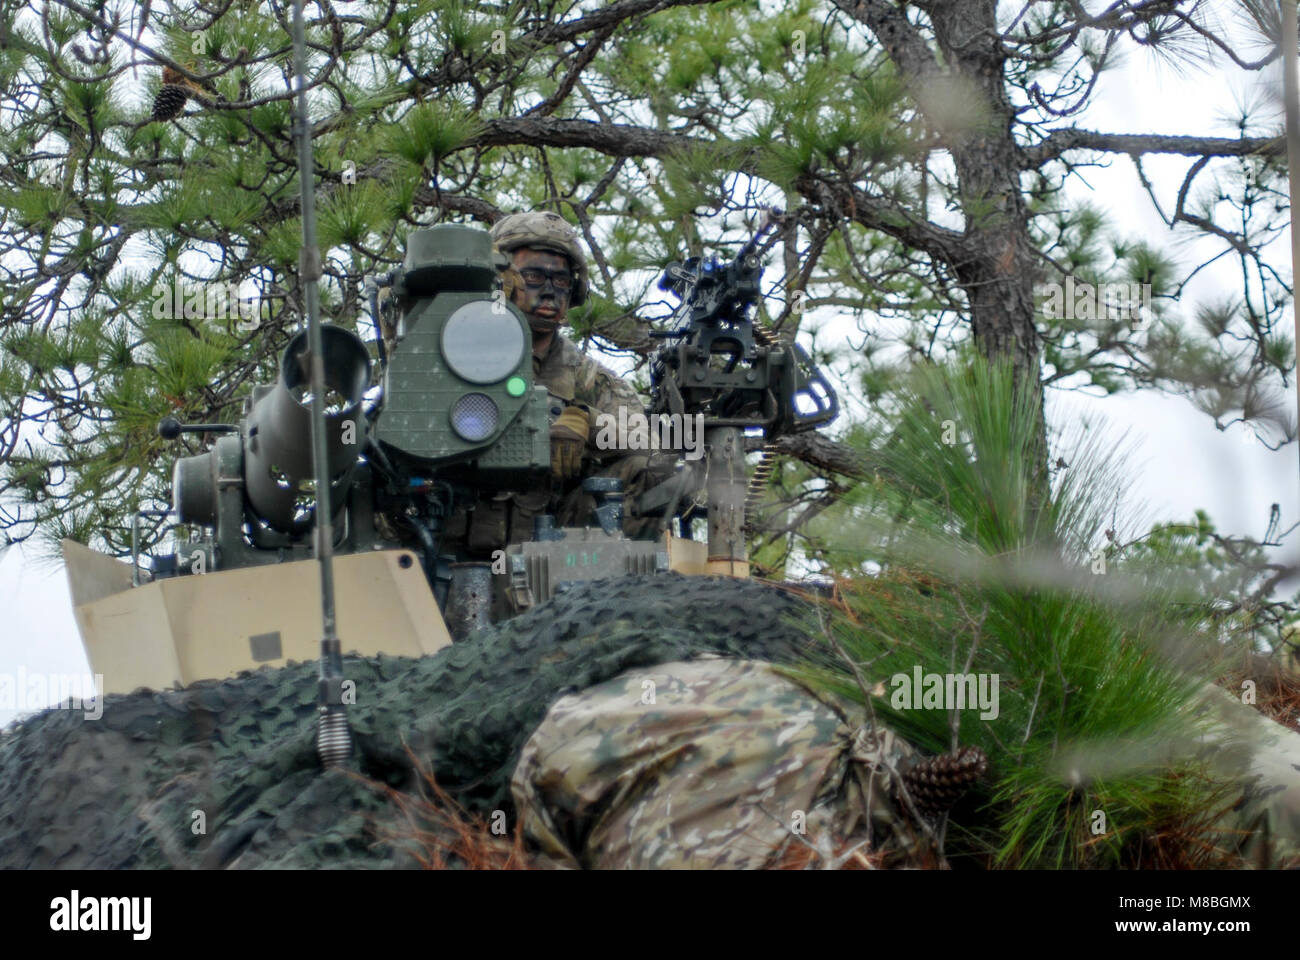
{"x":516,"y":386}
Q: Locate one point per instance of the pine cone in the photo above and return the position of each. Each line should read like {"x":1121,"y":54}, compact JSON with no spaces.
{"x":169,"y":103}
{"x":176,"y":78}
{"x":935,"y":784}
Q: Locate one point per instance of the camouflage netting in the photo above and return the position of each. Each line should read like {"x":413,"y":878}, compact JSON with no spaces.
{"x":125,"y":790}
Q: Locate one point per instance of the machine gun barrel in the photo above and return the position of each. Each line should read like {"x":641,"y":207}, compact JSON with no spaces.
{"x":769,"y":218}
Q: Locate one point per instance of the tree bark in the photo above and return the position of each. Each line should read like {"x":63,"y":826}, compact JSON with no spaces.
{"x":994,"y":257}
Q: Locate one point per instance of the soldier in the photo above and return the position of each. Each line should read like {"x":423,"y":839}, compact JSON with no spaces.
{"x":546,"y":275}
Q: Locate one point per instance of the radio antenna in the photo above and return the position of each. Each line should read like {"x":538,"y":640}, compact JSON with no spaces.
{"x":333,"y":734}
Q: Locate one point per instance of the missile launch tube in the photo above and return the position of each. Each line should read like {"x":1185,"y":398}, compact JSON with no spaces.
{"x":279,"y":463}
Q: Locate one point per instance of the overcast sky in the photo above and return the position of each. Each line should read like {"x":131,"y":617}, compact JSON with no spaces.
{"x":1178,"y":462}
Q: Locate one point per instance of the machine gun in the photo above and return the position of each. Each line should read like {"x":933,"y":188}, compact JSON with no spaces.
{"x":736,"y":377}
{"x":457,"y":415}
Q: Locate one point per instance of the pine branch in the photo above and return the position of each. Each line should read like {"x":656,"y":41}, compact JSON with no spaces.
{"x":1060,"y":142}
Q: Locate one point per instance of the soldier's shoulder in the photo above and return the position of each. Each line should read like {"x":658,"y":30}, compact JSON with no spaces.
{"x":568,"y":355}
{"x":589,"y":374}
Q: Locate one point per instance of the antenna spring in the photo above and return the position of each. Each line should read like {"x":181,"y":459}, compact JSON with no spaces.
{"x":333,"y":737}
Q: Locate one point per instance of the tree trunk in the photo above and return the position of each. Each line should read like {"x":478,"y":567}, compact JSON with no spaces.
{"x":996,"y":266}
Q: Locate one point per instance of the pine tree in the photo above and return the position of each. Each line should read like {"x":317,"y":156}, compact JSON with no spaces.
{"x":919,"y":149}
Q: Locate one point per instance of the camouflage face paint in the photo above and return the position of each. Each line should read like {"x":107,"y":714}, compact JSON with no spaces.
{"x":545,"y":307}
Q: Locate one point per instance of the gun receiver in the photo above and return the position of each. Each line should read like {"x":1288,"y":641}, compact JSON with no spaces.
{"x":722,"y":363}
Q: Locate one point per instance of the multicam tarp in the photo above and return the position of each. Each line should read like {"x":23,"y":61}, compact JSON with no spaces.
{"x":1264,"y":757}
{"x":709,"y":764}
{"x":225,"y":773}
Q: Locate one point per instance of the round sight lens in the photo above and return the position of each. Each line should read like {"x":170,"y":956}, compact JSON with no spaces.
{"x":474,"y":417}
{"x":483,"y":342}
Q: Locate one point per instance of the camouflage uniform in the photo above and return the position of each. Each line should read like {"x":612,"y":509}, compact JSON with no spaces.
{"x":729,"y":766}
{"x":731,"y":755}
{"x":570,"y":375}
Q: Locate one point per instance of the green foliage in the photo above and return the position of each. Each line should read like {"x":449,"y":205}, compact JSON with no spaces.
{"x":36,"y":206}
{"x":1229,"y":582}
{"x":399,"y":190}
{"x":87,"y":104}
{"x":1097,"y":680}
{"x":430,"y":131}
{"x":176,"y":207}
{"x":183,"y":364}
{"x":694,"y":178}
{"x":349,"y":215}
{"x":594,"y":316}
{"x":815,"y":121}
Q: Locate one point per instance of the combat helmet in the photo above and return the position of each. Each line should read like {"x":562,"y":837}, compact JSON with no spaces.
{"x":545,"y":230}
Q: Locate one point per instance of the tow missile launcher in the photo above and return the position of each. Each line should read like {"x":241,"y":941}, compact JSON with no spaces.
{"x":459,"y":409}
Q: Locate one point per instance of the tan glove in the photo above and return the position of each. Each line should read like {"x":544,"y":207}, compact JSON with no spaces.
{"x":510,"y":282}
{"x":569,"y":441}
